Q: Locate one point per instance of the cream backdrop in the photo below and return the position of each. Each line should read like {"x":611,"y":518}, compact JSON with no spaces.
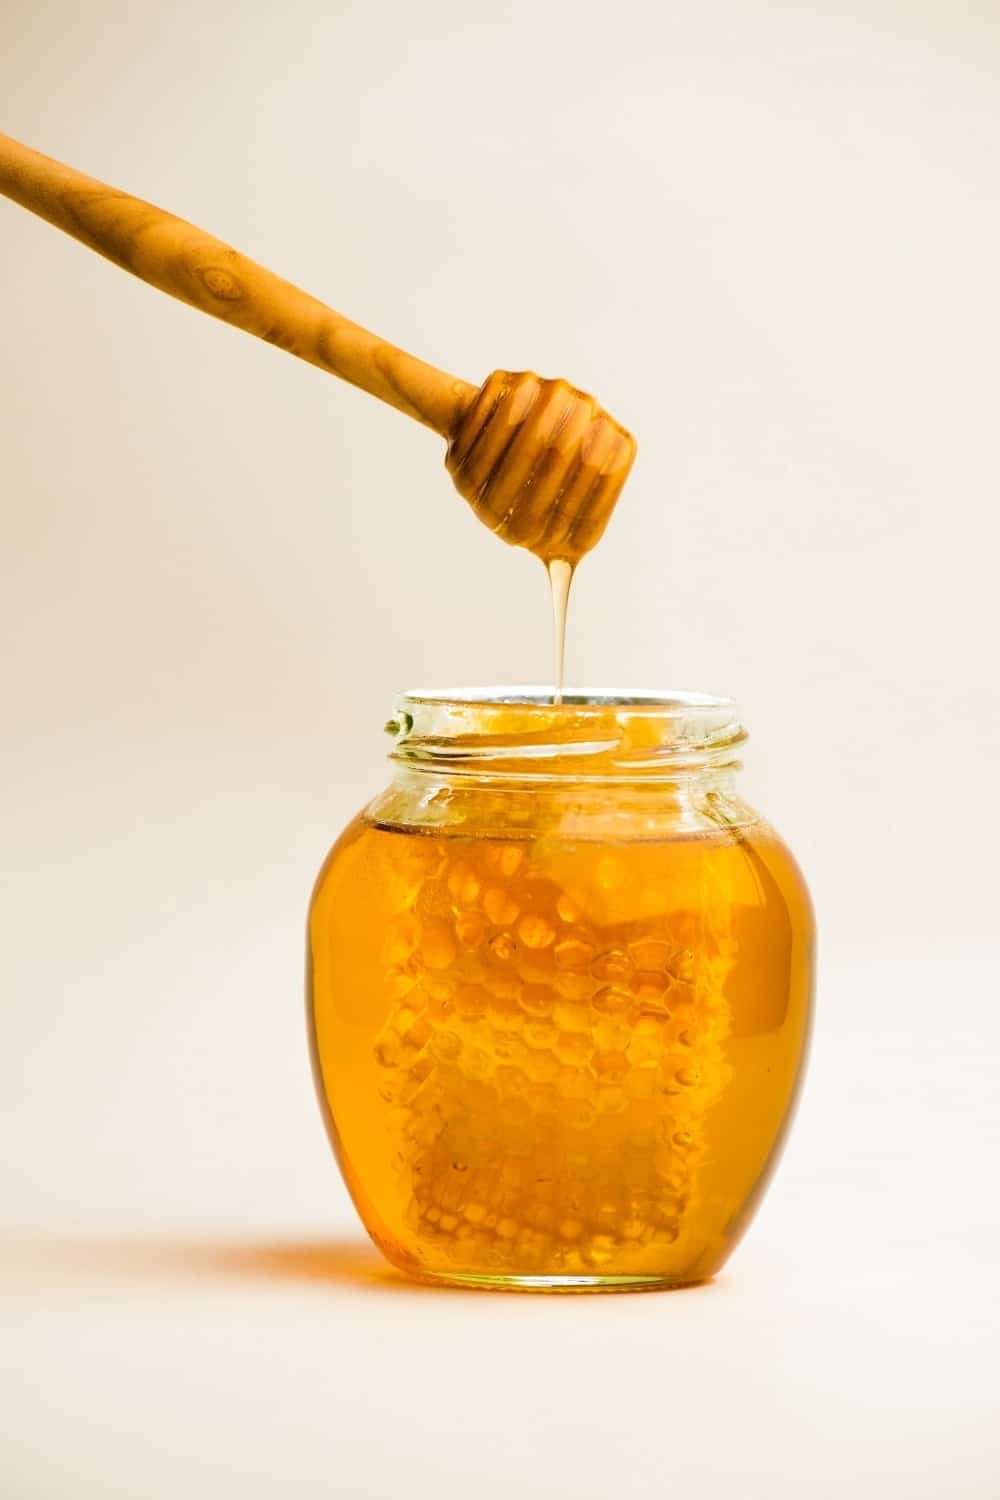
{"x":767,"y":236}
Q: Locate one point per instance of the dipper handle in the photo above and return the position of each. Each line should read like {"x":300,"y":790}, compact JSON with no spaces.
{"x":195,"y":267}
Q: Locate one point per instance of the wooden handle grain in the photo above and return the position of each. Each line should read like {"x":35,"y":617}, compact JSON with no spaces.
{"x":193,"y":266}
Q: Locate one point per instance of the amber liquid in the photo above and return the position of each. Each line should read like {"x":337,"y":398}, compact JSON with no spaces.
{"x":558,"y":1060}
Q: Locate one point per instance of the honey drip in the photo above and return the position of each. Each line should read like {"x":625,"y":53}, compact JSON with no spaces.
{"x":560,"y":581}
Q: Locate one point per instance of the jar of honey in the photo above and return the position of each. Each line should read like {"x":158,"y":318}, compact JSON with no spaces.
{"x":560,"y":983}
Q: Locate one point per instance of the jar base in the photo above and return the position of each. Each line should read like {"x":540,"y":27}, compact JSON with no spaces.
{"x":485,"y":1282}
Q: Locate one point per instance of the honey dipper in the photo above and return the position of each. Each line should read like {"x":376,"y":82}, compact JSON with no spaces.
{"x":540,"y":462}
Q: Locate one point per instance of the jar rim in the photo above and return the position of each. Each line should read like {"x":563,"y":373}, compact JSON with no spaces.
{"x":575,"y":700}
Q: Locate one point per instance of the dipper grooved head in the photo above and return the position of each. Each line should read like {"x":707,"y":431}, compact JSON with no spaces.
{"x":540,"y":462}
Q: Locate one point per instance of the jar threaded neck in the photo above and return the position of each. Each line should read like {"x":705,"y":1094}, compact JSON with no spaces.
{"x":520,"y":733}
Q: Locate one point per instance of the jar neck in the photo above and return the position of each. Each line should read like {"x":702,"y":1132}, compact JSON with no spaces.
{"x":593,"y":767}
{"x":519,"y":738}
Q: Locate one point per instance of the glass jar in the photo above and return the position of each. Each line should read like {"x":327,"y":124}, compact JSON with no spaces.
{"x":560,"y":983}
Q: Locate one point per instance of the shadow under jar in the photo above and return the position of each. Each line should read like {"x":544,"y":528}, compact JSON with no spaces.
{"x":560,"y":983}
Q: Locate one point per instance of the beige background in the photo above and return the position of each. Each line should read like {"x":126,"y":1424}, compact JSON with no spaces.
{"x":767,"y":236}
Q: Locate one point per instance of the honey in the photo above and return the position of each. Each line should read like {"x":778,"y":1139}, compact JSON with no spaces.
{"x":560,"y":573}
{"x":557,"y":1029}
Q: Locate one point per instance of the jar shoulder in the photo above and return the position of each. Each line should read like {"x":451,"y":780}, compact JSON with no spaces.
{"x":592,"y":811}
{"x":639,"y":853}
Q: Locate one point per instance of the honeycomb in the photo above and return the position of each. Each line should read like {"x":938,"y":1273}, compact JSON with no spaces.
{"x":553,"y":1047}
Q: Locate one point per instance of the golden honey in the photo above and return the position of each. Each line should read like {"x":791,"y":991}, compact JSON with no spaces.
{"x":560,"y":982}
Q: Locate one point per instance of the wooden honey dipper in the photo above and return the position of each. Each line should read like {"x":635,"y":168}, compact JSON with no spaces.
{"x":540,"y":462}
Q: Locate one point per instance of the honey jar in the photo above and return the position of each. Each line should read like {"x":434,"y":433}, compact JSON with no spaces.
{"x":559,"y":991}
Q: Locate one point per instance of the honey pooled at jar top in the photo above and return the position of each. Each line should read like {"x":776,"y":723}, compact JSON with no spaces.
{"x":559,"y":1038}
